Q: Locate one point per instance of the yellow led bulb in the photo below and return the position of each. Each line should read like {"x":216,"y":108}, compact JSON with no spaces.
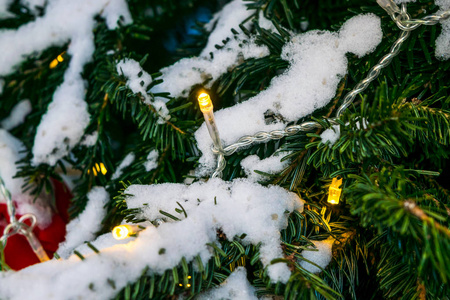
{"x":334,"y":193}
{"x":121,"y":232}
{"x":205,"y":103}
{"x":53,"y":64}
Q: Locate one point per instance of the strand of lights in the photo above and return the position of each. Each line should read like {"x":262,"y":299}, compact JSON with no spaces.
{"x":20,"y":227}
{"x":334,"y":192}
{"x":122,"y":232}
{"x":404,"y":23}
{"x":98,"y":168}
{"x":56,"y":61}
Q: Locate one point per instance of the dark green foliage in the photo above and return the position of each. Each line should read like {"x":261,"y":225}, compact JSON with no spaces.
{"x":391,"y":228}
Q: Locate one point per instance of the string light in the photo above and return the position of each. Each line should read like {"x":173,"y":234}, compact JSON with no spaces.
{"x":57,"y":60}
{"x":187,"y":285}
{"x":19,"y":226}
{"x":206,"y":106}
{"x":334,"y":193}
{"x":98,"y":168}
{"x":122,"y":232}
{"x":205,"y":102}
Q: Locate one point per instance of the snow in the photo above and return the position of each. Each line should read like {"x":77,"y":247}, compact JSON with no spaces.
{"x":125,"y":163}
{"x":321,"y":257}
{"x":317,"y":64}
{"x":17,"y":115}
{"x":102,"y":242}
{"x":304,"y":24}
{"x":87,"y":224}
{"x":152,"y":160}
{"x":62,"y":126}
{"x":265,"y":23}
{"x":180,"y":77}
{"x":236,"y":287}
{"x":10,"y":148}
{"x":239,"y":207}
{"x":4,"y":13}
{"x":10,"y":152}
{"x":269,"y":165}
{"x":138,"y":81}
{"x":331,"y":135}
{"x":443,"y":40}
{"x":90,"y":139}
{"x":33,"y":4}
{"x":230,"y":16}
{"x":236,"y":207}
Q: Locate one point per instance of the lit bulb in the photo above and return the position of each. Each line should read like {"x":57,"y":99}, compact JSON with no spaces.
{"x":205,"y":103}
{"x":98,"y":168}
{"x":60,"y":58}
{"x":206,"y":107}
{"x":53,"y":64}
{"x":57,"y":60}
{"x":122,"y":232}
{"x":334,"y":193}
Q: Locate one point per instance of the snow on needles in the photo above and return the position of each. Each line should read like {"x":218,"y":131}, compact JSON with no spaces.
{"x":236,"y":207}
{"x":152,"y":160}
{"x":270,"y":165}
{"x":443,"y":40}
{"x":125,"y":163}
{"x":230,"y":16}
{"x":321,"y":257}
{"x":87,"y":224}
{"x":63,"y":124}
{"x":138,"y":81}
{"x":180,"y":77}
{"x":18,"y":114}
{"x":317,"y":64}
{"x":235,"y":287}
{"x":331,"y":135}
{"x":10,"y":153}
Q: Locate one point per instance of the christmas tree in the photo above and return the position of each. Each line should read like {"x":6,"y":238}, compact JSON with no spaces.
{"x":193,"y":149}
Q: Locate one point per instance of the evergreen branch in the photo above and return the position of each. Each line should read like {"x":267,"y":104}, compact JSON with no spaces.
{"x":415,"y":210}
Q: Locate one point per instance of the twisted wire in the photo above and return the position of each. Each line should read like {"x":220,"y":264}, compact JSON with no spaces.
{"x":431,"y":19}
{"x":308,"y":126}
{"x":373,"y":73}
{"x":262,"y":136}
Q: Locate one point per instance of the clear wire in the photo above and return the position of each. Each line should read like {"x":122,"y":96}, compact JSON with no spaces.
{"x":403,"y":21}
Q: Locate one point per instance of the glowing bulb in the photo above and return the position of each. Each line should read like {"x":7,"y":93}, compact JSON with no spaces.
{"x":334,"y":193}
{"x":120,"y":232}
{"x":53,"y":64}
{"x":98,"y":168}
{"x":205,"y":103}
{"x":60,"y":58}
{"x":57,"y":60}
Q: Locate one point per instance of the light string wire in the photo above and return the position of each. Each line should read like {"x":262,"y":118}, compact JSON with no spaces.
{"x":19,"y":226}
{"x":403,"y":21}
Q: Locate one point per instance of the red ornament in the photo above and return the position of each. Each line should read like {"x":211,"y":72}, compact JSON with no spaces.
{"x":18,"y":252}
